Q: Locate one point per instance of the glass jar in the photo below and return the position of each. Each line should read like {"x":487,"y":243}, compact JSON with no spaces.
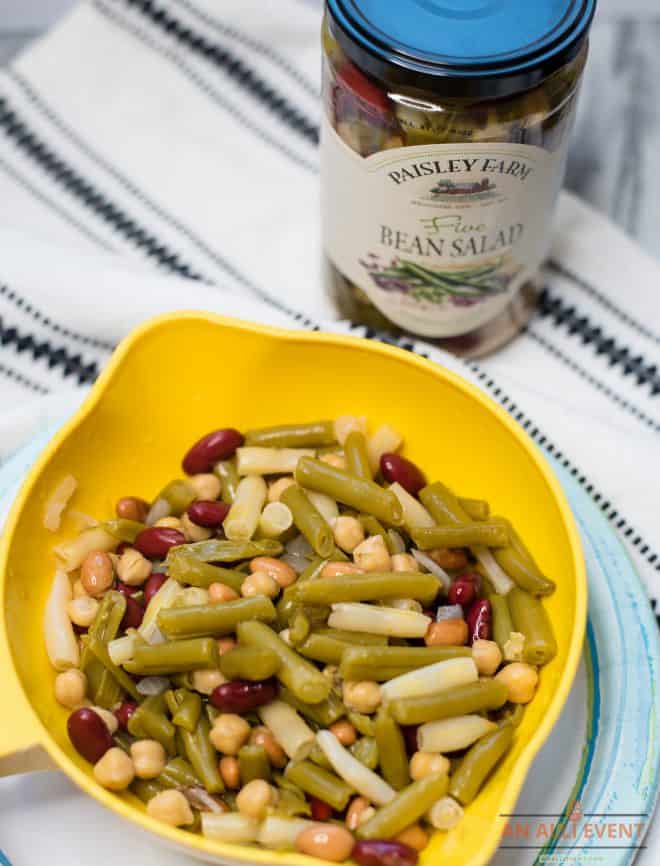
{"x":443,"y":150}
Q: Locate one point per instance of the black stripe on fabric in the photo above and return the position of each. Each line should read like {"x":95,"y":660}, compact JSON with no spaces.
{"x":57,"y":357}
{"x":602,"y":299}
{"x":579,"y":325}
{"x":29,"y":309}
{"x":234,"y":66}
{"x":19,"y":379}
{"x":597,"y":384}
{"x":261,"y":47}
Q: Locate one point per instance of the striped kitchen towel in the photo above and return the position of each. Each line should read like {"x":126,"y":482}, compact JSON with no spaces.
{"x":161,"y":154}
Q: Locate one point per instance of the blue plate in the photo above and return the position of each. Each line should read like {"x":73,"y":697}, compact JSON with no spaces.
{"x":589,"y":796}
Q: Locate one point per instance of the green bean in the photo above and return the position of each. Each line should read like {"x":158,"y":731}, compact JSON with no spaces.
{"x":320,"y":783}
{"x":406,"y":808}
{"x":222,"y":550}
{"x":123,"y":740}
{"x":100,"y":651}
{"x":363,"y":724}
{"x":366,"y":662}
{"x":318,"y":757}
{"x":291,"y":800}
{"x":365,"y":496}
{"x":366,"y":751}
{"x":226,"y":472}
{"x":150,"y":722}
{"x":485,"y":534}
{"x":309,"y":520}
{"x":310,"y":435}
{"x":298,"y":675}
{"x":501,"y":618}
{"x":249,"y":663}
{"x":174,"y":656}
{"x":358,"y":638}
{"x":185,"y":708}
{"x":300,"y":627}
{"x":322,"y":648}
{"x":324,"y":713}
{"x":178,"y":494}
{"x":458,"y":701}
{"x":477,"y":509}
{"x":124,"y":530}
{"x":356,"y":456}
{"x":146,"y":789}
{"x":531,"y":619}
{"x":253,"y":764}
{"x":371,"y":526}
{"x":178,"y":772}
{"x":370,"y":587}
{"x":511,"y":714}
{"x":187,"y":568}
{"x":214,"y":619}
{"x":287,"y":605}
{"x":517,"y":562}
{"x":202,"y":756}
{"x":478,"y":763}
{"x":444,"y":507}
{"x":392,"y":751}
{"x":103,"y":687}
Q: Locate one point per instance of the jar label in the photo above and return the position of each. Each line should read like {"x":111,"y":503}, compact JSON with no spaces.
{"x":439,"y":237}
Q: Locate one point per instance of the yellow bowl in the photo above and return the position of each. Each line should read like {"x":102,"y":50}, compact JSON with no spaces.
{"x":181,"y":375}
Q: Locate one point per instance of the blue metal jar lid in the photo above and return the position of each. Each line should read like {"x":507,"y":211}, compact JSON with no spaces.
{"x":481,"y":48}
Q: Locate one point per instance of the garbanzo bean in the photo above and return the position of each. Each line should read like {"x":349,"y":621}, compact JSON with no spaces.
{"x":170,"y":807}
{"x":133,"y":568}
{"x":205,"y":681}
{"x":82,"y":610}
{"x":205,"y":485}
{"x":114,"y":770}
{"x":70,"y":688}
{"x":149,"y":758}
{"x":254,"y":798}
{"x":426,"y":763}
{"x":372,"y":554}
{"x":487,"y":656}
{"x":169,"y":523}
{"x":192,"y":531}
{"x":229,"y":733}
{"x":521,"y":680}
{"x":348,"y":533}
{"x":404,"y":562}
{"x":363,"y":696}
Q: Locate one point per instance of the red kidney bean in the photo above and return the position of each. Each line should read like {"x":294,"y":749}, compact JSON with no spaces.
{"x":241,"y":696}
{"x":123,"y":713}
{"x":409,"y":476}
{"x":410,"y":738}
{"x":154,"y":541}
{"x":127,"y":590}
{"x":133,"y":615}
{"x":152,"y":586}
{"x":89,"y":734}
{"x":207,"y":513}
{"x":218,"y":445}
{"x":321,"y":811}
{"x":382,"y":852}
{"x":479,"y":618}
{"x":463,"y":591}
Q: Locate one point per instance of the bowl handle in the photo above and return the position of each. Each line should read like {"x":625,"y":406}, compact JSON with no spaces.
{"x":20,"y":749}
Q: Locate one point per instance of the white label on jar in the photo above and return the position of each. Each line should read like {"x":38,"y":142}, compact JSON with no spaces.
{"x":440,"y":237}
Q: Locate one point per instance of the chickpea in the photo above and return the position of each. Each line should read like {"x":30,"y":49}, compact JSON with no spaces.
{"x":206,"y":486}
{"x":449,"y":558}
{"x":326,"y":841}
{"x":348,"y":533}
{"x":170,"y":807}
{"x":413,"y":836}
{"x":230,"y":771}
{"x":109,"y":719}
{"x":448,"y":632}
{"x":220,"y":593}
{"x":373,"y":555}
{"x":335,"y":460}
{"x":521,"y":680}
{"x":169,"y":523}
{"x":149,"y":758}
{"x":79,"y":590}
{"x":261,"y":736}
{"x":192,"y":531}
{"x":259,"y":583}
{"x":404,"y":562}
{"x":132,"y":508}
{"x":70,"y":688}
{"x":278,"y":487}
{"x":335,"y":569}
{"x":275,"y":568}
{"x":423,"y":764}
{"x":114,"y":770}
{"x":487,"y":656}
{"x":205,"y":681}
{"x":96,"y":573}
{"x":133,"y":568}
{"x":344,"y":731}
{"x":82,"y":610}
{"x":226,"y":644}
{"x":254,"y":798}
{"x":229,"y":733}
{"x":363,"y":696}
{"x":358,"y":806}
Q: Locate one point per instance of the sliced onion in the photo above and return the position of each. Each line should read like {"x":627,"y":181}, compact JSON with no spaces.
{"x":449,"y":611}
{"x":425,"y":560}
{"x":83,"y":521}
{"x":159,"y":509}
{"x":61,"y":642}
{"x":299,"y":546}
{"x":153,"y":685}
{"x":297,"y":563}
{"x":501,"y":581}
{"x":57,"y":502}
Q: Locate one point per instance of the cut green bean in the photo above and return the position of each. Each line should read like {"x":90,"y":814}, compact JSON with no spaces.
{"x":202,"y":755}
{"x":178,"y":772}
{"x":406,"y":808}
{"x":103,"y":686}
{"x":478,"y":763}
{"x":365,"y":496}
{"x":444,"y":507}
{"x":299,"y":628}
{"x":302,"y":678}
{"x":392,"y":751}
{"x":188,"y":568}
{"x":221,"y":550}
{"x":253,"y":763}
{"x":357,"y":638}
{"x":517,"y":562}
{"x":100,"y":651}
{"x":531,"y":619}
{"x":150,"y":722}
{"x":176,"y":656}
{"x":356,"y":456}
{"x":323,"y":714}
{"x":185,"y":708}
{"x":214,"y":620}
{"x":317,"y":756}
{"x":310,"y":435}
{"x":309,"y":520}
{"x":476,"y":697}
{"x":228,"y":475}
{"x":322,"y":648}
{"x":146,"y":789}
{"x":372,"y":526}
{"x":476,"y":509}
{"x":502,"y":624}
{"x":366,"y":662}
{"x":370,"y":587}
{"x":124,"y":530}
{"x":366,"y":751}
{"x":178,"y":494}
{"x":320,"y":783}
{"x":364,"y":725}
{"x":485,"y":534}
{"x":249,"y":663}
